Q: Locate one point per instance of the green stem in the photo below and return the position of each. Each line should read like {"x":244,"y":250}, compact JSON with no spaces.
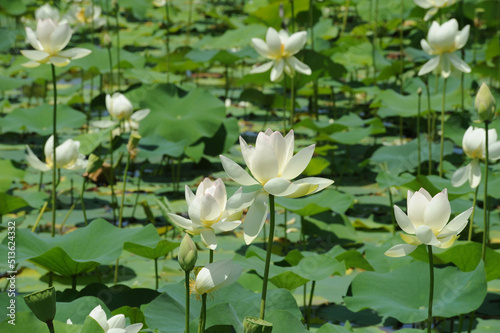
{"x":471,"y":321}
{"x":203,"y":314}
{"x":82,"y":202}
{"x":460,"y":323}
{"x":211,"y":257}
{"x":442,"y":130}
{"x":430,"y":130}
{"x":40,"y":182}
{"x":418,"y":133}
{"x":471,"y":223}
{"x":268,"y":256}
{"x":125,"y":175}
{"x":112,"y":176}
{"x":485,"y":205}
{"x":138,"y":191}
{"x":315,"y":109}
{"x":344,"y":20}
{"x":54,"y":158}
{"x":401,"y":50}
{"x":284,"y":104}
{"x":292,"y":18}
{"x":156,"y":274}
{"x":292,"y":101}
{"x":110,"y":58}
{"x":309,"y":308}
{"x":115,"y":280}
{"x":391,"y":205}
{"x":186,"y":282}
{"x":188,"y":29}
{"x":167,"y":28}
{"x":431,"y":289}
{"x":117,"y":10}
{"x":73,"y":282}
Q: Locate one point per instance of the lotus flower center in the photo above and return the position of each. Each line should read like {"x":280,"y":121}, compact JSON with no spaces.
{"x":282,"y":48}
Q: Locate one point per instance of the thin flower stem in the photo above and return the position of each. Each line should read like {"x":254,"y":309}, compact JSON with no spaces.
{"x":284,"y":104}
{"x":167,"y":28}
{"x":125,"y":174}
{"x":442,"y":131}
{"x":203,"y":314}
{"x":485,"y":205}
{"x":188,"y":28}
{"x":50,"y":324}
{"x":309,"y":308}
{"x":117,"y":10}
{"x":418,"y":133}
{"x":460,"y":323}
{"x":112,"y":175}
{"x":186,"y":282}
{"x":292,"y":101}
{"x":431,"y":289}
{"x":156,"y":274}
{"x":54,"y":159}
{"x":430,"y":130}
{"x":268,"y":256}
{"x":82,"y":202}
{"x":344,"y":20}
{"x":471,"y":223}
{"x":393,"y":217}
{"x":211,"y":257}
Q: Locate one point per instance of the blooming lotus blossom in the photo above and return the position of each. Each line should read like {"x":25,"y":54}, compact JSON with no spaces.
{"x":67,"y":156}
{"x":121,"y":109}
{"x":210,"y":211}
{"x":442,"y":41}
{"x":86,"y":16}
{"x":48,"y":42}
{"x":473,"y":144}
{"x":433,"y":6}
{"x":215,"y":276}
{"x":281,"y":48}
{"x":115,"y":324}
{"x":426,"y":222}
{"x":272,"y":164}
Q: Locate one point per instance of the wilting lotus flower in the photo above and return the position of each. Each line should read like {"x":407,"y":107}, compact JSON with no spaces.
{"x":473,"y":144}
{"x":433,"y":6}
{"x":215,"y":276}
{"x":47,"y":12}
{"x":67,"y":154}
{"x":115,"y":324}
{"x":49,"y":41}
{"x":272,"y":164}
{"x":442,"y":41}
{"x":280,"y":48}
{"x":427,"y":222}
{"x":210,"y":211}
{"x":121,"y":109}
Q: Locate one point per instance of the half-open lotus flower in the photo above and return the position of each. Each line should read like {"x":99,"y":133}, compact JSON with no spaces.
{"x":474,"y":146}
{"x":442,"y":41}
{"x":273,"y":165}
{"x":215,"y":276}
{"x":433,"y":6}
{"x":210,"y":211}
{"x":115,"y":324}
{"x":281,"y":48}
{"x":426,"y":222}
{"x":48,"y":42}
{"x":121,"y":109}
{"x":67,"y":155}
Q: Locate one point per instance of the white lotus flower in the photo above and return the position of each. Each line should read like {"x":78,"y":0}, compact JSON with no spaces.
{"x":48,"y":42}
{"x":426,"y":222}
{"x":442,"y":41}
{"x":272,"y":164}
{"x":67,"y":156}
{"x":473,"y":144}
{"x":215,"y":276}
{"x":280,"y":48}
{"x":433,"y":6}
{"x":121,"y":109}
{"x":210,"y":211}
{"x":47,"y":12}
{"x":115,"y":324}
{"x":86,"y":16}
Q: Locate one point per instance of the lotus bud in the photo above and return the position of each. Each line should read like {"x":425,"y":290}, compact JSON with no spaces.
{"x":43,"y":304}
{"x":419,"y":91}
{"x":106,"y":40}
{"x":485,"y":103}
{"x":187,"y":254}
{"x":132,"y":145}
